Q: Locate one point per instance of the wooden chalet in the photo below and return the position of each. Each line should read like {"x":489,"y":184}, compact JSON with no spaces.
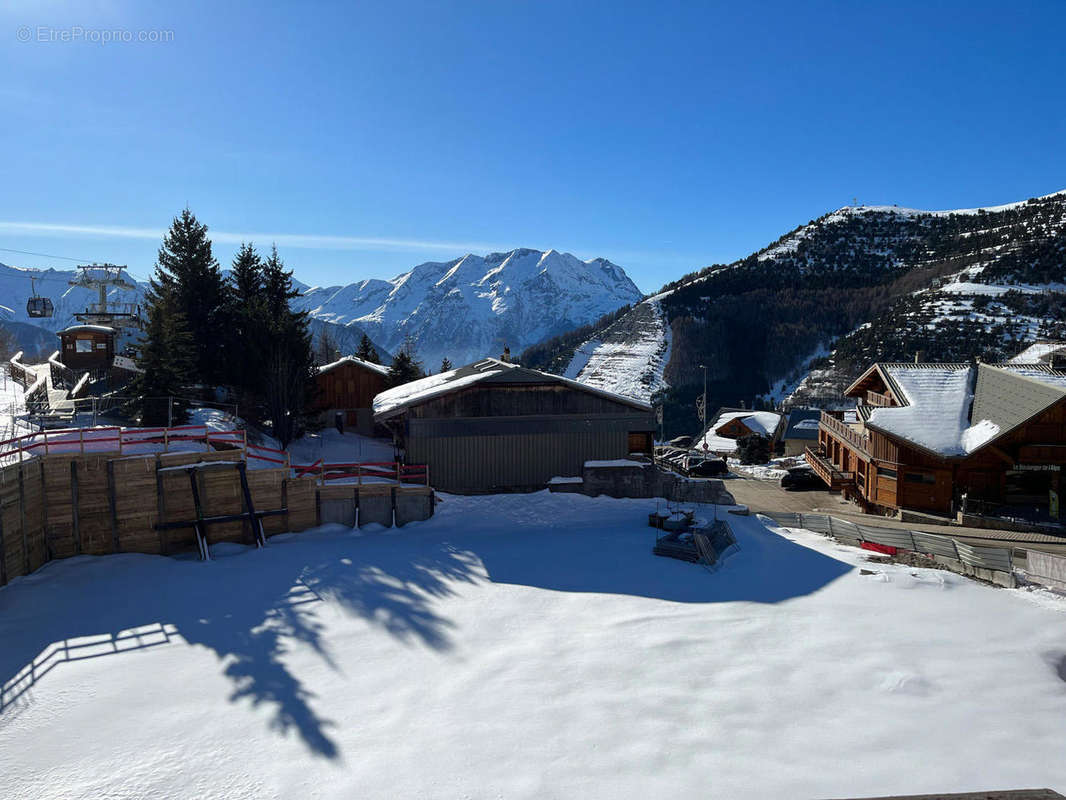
{"x":348,"y":387}
{"x":731,"y":424}
{"x":87,"y":347}
{"x":495,"y":426}
{"x":938,"y":437}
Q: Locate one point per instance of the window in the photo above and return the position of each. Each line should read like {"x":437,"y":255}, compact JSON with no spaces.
{"x":919,"y":477}
{"x":84,"y":345}
{"x":886,"y":473}
{"x":101,"y":345}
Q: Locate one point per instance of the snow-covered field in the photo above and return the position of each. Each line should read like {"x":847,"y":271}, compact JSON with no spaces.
{"x":524,"y":646}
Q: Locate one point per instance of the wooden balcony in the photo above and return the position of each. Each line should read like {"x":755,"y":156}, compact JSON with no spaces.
{"x":846,"y":434}
{"x":877,"y":399}
{"x":833,"y":478}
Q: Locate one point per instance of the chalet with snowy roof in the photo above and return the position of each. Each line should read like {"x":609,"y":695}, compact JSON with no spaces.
{"x":931,"y":436}
{"x":801,"y":430}
{"x":495,"y":426}
{"x":732,"y":424}
{"x":348,"y":387}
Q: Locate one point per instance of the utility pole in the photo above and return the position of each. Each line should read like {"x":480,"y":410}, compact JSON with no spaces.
{"x":170,"y":411}
{"x":704,"y":368}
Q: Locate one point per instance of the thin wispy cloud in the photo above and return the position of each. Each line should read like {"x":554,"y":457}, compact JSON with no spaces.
{"x":308,"y":241}
{"x":313,"y":241}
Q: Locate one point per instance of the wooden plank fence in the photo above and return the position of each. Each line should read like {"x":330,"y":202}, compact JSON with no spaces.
{"x":84,"y":503}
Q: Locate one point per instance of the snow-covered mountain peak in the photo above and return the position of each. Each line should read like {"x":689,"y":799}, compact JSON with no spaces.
{"x":473,"y":306}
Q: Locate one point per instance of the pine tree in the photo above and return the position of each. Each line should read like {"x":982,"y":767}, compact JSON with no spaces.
{"x":186,"y":267}
{"x":165,"y":358}
{"x":277,"y":287}
{"x":405,"y":367}
{"x":247,"y":324}
{"x":446,"y":365}
{"x":246,"y":275}
{"x":288,"y":378}
{"x":366,"y":351}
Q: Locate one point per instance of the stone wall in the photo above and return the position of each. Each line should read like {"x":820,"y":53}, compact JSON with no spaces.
{"x":637,"y":479}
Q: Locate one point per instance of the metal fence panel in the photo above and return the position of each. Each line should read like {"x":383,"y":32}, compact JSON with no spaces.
{"x":986,"y":557}
{"x":890,"y":537}
{"x":842,"y":527}
{"x":784,"y":519}
{"x":935,"y":544}
{"x":819,"y":523}
{"x":1047,"y":569}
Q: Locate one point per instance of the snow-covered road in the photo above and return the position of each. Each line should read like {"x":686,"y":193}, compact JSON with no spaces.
{"x":524,"y":646}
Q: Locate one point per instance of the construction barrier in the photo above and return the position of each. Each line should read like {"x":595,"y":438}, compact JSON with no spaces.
{"x":85,"y":502}
{"x":995,"y":560}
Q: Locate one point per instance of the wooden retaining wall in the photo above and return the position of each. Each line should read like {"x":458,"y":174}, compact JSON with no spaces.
{"x":63,"y":505}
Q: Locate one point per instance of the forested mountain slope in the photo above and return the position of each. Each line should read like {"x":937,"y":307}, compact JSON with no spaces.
{"x":859,"y":284}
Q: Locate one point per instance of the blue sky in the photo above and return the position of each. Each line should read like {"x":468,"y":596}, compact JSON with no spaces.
{"x":366,"y":138}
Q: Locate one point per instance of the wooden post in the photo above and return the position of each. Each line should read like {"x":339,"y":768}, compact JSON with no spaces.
{"x":161,"y":508}
{"x":74,"y":506}
{"x":285,"y":501}
{"x":22,"y":521}
{"x":48,"y":555}
{"x":113,"y":505}
{"x":3,"y":552}
{"x":199,"y":528}
{"x":258,"y":534}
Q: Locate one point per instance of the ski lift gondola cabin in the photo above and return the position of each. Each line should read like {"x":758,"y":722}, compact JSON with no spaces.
{"x":37,"y":306}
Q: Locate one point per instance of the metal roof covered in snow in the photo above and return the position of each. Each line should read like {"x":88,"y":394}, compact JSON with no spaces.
{"x":358,"y":362}
{"x":488,"y":370}
{"x":87,"y":329}
{"x":803,"y":423}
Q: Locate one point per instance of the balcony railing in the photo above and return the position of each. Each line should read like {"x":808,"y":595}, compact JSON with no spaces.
{"x":877,"y":399}
{"x":830,"y":475}
{"x":846,"y":433}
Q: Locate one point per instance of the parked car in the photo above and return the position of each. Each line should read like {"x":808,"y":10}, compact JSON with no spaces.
{"x":701,"y":467}
{"x":681,"y":441}
{"x":801,"y":478}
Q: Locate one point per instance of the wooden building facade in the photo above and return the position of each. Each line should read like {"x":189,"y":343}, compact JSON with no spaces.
{"x":494,"y":426}
{"x":1005,"y":453}
{"x":348,"y":387}
{"x":87,"y":347}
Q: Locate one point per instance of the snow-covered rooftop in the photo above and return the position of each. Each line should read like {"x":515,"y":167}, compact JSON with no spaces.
{"x":938,"y":400}
{"x":1037,"y":352}
{"x":762,"y":422}
{"x":88,"y":328}
{"x":941,"y":412}
{"x":393,"y":401}
{"x":357,"y":362}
